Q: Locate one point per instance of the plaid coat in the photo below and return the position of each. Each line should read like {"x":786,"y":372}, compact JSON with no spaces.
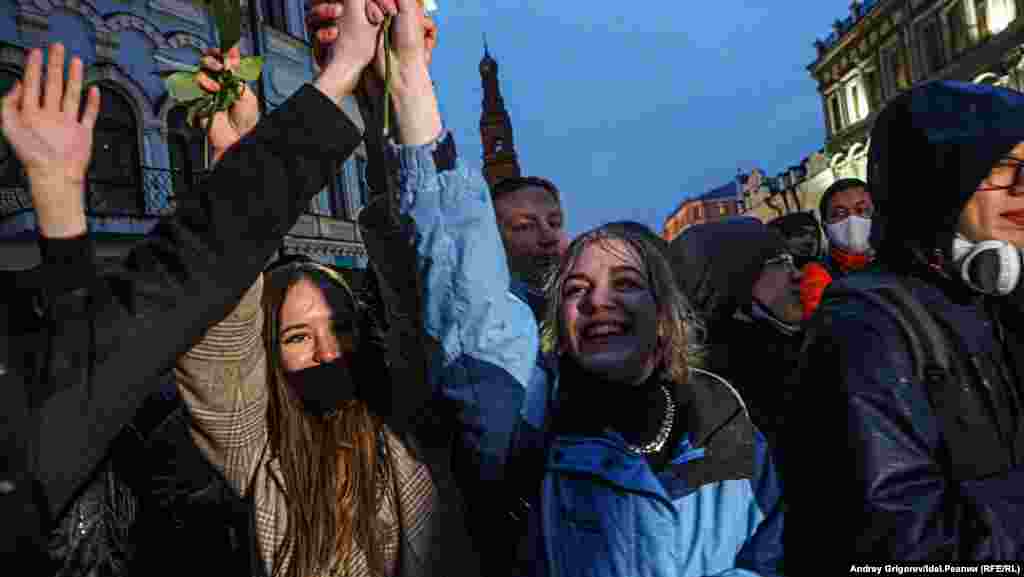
{"x":224,"y":381}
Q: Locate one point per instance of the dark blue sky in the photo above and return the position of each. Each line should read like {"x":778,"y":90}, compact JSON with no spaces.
{"x":630,"y":110}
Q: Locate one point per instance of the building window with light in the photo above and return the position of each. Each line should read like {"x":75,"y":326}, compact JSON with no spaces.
{"x":856,"y":101}
{"x":113,"y":180}
{"x":894,"y":71}
{"x":999,"y":14}
{"x":872,"y":91}
{"x":836,"y":113}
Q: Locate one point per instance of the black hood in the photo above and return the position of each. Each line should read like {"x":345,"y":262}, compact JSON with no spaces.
{"x":795,"y":224}
{"x":930,"y":149}
{"x":718,"y":263}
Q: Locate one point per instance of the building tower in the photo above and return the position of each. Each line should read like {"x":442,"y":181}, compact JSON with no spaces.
{"x":500,"y":159}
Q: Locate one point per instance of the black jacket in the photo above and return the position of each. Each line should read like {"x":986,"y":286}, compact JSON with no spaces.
{"x":906,"y":484}
{"x":111,"y":337}
{"x":410,"y":406}
{"x":717,"y":265}
{"x":762,"y":363}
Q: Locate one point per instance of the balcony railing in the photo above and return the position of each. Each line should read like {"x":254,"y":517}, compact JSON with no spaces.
{"x":152,"y":193}
{"x":159,"y":195}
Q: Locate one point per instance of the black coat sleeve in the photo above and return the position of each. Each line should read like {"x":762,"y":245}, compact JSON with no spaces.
{"x":863,"y":433}
{"x":116,"y":332}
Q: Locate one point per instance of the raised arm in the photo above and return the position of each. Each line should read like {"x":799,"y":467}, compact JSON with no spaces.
{"x":187,"y":274}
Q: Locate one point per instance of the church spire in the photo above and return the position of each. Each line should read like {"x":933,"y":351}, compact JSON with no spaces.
{"x":500,"y":158}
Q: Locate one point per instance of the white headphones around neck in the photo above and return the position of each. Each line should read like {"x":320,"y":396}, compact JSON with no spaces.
{"x":1009,"y":258}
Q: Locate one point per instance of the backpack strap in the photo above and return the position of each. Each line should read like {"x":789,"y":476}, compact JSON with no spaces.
{"x":929,"y":349}
{"x":960,"y":412}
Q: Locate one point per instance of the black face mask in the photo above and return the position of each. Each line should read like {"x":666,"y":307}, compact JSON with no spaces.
{"x":324,"y":388}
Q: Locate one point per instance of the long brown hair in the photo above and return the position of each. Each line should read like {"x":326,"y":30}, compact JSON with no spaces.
{"x":678,"y":328}
{"x":335,"y":468}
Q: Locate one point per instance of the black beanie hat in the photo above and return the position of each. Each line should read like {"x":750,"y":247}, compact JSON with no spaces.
{"x":930,"y":149}
{"x":718,"y":263}
{"x":795,"y":224}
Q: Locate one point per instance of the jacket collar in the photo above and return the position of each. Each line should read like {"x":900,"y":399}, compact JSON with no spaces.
{"x":718,"y":445}
{"x":607,"y":458}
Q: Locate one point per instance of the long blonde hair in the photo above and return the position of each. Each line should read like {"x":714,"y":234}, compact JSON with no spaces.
{"x":335,"y":469}
{"x":679,"y":331}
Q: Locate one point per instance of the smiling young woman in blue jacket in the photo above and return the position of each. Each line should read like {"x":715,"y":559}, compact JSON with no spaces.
{"x":627,"y":460}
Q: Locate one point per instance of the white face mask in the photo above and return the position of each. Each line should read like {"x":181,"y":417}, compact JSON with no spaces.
{"x":851,"y":234}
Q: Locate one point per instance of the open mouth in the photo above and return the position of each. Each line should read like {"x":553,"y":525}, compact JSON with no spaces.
{"x":603,"y":332}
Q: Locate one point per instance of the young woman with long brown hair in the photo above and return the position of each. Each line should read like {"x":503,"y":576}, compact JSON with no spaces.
{"x":338,"y":489}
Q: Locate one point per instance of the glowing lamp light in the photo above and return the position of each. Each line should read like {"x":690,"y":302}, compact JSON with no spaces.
{"x":1001,"y":14}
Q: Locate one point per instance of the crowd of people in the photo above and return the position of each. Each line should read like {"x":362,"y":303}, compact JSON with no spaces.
{"x":498,"y":399}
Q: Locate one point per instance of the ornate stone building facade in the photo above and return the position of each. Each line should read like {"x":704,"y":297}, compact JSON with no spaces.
{"x":500,"y":158}
{"x":883,"y":47}
{"x":716,"y":204}
{"x":145,"y":158}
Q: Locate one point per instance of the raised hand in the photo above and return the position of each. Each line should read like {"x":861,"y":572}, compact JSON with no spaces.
{"x":353,"y":27}
{"x":412,"y":91}
{"x":227,"y":127}
{"x":322,"y":20}
{"x":411,"y":40}
{"x":52,"y":139}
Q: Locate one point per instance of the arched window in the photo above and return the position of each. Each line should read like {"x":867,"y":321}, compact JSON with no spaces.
{"x":12,"y":177}
{"x":186,"y":148}
{"x":113,"y":186}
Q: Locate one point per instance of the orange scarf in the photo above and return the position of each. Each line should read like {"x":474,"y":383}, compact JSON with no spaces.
{"x":849,"y":262}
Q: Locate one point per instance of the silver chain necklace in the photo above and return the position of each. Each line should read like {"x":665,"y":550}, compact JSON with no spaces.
{"x":663,"y":433}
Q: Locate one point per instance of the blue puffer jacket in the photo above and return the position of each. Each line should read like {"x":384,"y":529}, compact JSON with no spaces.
{"x":715,"y":511}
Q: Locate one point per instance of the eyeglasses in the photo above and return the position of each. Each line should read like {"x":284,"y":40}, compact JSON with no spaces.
{"x":782,"y":261}
{"x":1005,"y":175}
{"x":839,"y":213}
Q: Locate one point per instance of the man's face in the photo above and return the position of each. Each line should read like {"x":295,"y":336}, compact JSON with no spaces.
{"x":850,"y":202}
{"x":996,"y":210}
{"x":778,"y":289}
{"x":530,"y":221}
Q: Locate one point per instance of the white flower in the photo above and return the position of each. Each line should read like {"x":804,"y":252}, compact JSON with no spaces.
{"x":429,"y":6}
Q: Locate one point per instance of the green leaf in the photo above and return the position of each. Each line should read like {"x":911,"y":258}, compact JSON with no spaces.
{"x":199,"y":108}
{"x":228,"y":16}
{"x":249,"y":68}
{"x":183,"y":87}
{"x":182,"y":68}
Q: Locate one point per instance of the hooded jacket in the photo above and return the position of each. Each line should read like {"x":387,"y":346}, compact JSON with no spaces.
{"x":908,"y":487}
{"x":717,"y":265}
{"x":800,"y":224}
{"x":598,"y":510}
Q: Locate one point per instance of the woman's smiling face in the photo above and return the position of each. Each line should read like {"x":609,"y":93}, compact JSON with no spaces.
{"x":609,"y":313}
